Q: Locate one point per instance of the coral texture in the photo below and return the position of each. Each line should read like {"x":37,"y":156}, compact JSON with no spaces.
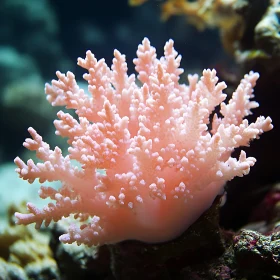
{"x":151,"y":158}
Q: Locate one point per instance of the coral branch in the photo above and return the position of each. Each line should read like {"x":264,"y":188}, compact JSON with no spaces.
{"x":148,"y":163}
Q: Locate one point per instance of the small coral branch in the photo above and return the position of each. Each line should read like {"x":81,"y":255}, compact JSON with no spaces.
{"x":143,"y":163}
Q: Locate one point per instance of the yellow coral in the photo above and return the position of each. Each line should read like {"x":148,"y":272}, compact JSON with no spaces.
{"x":136,"y":2}
{"x":219,"y":14}
{"x":25,"y":250}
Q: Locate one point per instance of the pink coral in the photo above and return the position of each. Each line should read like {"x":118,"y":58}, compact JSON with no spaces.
{"x":151,"y":159}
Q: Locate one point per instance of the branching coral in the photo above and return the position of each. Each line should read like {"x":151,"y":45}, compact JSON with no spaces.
{"x":149,"y":163}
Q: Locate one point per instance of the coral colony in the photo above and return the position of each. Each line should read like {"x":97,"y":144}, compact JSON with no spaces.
{"x":149,"y":164}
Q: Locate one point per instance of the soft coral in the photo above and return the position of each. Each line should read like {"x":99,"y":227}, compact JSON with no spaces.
{"x":162,"y":167}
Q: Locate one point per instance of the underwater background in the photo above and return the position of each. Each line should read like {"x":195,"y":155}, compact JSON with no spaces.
{"x":37,"y":38}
